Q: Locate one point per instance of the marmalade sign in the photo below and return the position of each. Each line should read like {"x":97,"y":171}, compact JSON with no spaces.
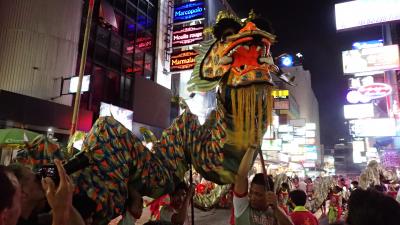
{"x":183,"y":60}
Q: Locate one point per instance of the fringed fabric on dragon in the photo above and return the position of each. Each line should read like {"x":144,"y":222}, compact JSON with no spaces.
{"x":237,"y":64}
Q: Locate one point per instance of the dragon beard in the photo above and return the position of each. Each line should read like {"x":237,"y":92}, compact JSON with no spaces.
{"x":250,"y":117}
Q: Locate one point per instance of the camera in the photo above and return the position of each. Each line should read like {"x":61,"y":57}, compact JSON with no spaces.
{"x":76,"y":163}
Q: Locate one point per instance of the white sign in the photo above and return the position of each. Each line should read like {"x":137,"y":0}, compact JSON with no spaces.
{"x":371,"y":59}
{"x":366,"y":12}
{"x":358,"y":147}
{"x":124,"y":116}
{"x":311,"y":126}
{"x":271,"y":145}
{"x":358,"y":111}
{"x":284,"y":128}
{"x":298,"y":122}
{"x":383,"y":127}
{"x":73,"y":85}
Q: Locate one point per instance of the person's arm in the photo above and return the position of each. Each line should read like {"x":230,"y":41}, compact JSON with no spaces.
{"x":241,"y":180}
{"x":60,"y":199}
{"x":280,"y":215}
{"x":180,"y":217}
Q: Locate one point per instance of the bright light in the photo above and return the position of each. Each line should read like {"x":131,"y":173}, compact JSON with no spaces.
{"x":73,"y":85}
{"x":287,"y":60}
{"x":358,"y":111}
{"x":299,"y":55}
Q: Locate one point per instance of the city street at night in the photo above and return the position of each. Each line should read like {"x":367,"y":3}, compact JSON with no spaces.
{"x":199,"y":112}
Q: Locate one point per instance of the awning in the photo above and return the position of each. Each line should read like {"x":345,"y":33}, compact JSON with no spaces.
{"x":107,"y":13}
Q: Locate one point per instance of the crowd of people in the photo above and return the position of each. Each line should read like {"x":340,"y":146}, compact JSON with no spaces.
{"x":26,"y":198}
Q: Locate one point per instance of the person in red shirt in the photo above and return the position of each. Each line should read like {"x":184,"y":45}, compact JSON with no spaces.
{"x":300,"y":215}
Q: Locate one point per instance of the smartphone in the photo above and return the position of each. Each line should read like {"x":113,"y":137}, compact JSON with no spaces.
{"x":51,"y":171}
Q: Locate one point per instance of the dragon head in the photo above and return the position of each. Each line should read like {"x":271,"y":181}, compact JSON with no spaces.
{"x":238,"y":55}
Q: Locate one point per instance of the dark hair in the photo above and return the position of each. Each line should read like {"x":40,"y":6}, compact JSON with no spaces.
{"x":265,"y":181}
{"x":370,"y":207}
{"x":380,"y":188}
{"x":18,"y":170}
{"x":8,"y":189}
{"x":285,"y":185}
{"x":298,"y":197}
{"x":354,"y":182}
{"x":85,"y":205}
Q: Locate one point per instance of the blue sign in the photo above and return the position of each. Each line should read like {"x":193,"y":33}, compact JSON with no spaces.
{"x":189,"y":11}
{"x":367,"y":44}
{"x":286,"y":61}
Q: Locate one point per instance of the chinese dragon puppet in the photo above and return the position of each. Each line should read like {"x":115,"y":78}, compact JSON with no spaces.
{"x":236,"y":63}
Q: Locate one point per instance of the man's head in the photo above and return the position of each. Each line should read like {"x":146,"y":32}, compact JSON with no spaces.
{"x":354,"y":183}
{"x":178,"y":196}
{"x":298,"y":197}
{"x":367,"y":207}
{"x":32,"y":191}
{"x":10,"y":197}
{"x":308,"y":180}
{"x":258,"y":188}
{"x":134,"y":203}
{"x":285,"y":186}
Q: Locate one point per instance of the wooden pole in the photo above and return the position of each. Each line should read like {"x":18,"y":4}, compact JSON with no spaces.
{"x":82,"y":68}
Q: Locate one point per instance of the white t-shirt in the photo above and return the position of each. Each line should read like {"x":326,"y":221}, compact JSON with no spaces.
{"x":247,"y":216}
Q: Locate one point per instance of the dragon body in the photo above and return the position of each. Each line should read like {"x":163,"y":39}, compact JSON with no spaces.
{"x":237,"y":64}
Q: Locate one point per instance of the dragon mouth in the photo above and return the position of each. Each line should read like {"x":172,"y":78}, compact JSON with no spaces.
{"x":249,"y":58}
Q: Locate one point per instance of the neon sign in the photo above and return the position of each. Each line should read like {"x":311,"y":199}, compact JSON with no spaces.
{"x":189,"y":11}
{"x":184,"y":60}
{"x":187,"y":35}
{"x":375,"y":90}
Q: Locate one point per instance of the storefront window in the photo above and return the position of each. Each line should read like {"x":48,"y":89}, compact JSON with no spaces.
{"x":131,"y":11}
{"x":103,"y":35}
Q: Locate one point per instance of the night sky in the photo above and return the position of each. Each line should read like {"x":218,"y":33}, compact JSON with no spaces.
{"x":309,"y":27}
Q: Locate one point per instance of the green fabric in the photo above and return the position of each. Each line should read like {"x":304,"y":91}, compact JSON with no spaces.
{"x":254,"y":217}
{"x":300,"y":209}
{"x":16,"y":136}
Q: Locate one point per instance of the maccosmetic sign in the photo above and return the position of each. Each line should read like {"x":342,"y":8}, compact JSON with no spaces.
{"x":358,"y":111}
{"x":189,"y":11}
{"x":356,"y":14}
{"x":371,"y":59}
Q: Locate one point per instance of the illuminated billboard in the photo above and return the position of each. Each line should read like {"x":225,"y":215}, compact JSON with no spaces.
{"x":358,"y":147}
{"x":187,"y":35}
{"x":362,"y":13}
{"x":382,"y":127}
{"x":73,"y":85}
{"x":371,"y":59}
{"x":358,"y":111}
{"x":124,"y":116}
{"x":281,"y":104}
{"x":280,"y":94}
{"x":189,"y":11}
{"x":183,"y":60}
{"x":271,"y":145}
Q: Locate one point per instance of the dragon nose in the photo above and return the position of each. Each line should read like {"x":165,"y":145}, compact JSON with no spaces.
{"x":249,"y":27}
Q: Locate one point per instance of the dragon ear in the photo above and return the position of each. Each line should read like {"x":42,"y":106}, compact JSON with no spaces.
{"x":226,"y":27}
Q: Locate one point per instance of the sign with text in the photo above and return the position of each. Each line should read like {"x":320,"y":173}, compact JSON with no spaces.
{"x":362,"y":13}
{"x":281,"y":104}
{"x":280,"y":94}
{"x":183,"y":60}
{"x":187,"y":35}
{"x":189,"y":11}
{"x":357,"y":111}
{"x":382,"y":127}
{"x":371,"y":59}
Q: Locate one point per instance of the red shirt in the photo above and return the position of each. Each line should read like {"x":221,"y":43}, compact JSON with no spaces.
{"x":301,"y":216}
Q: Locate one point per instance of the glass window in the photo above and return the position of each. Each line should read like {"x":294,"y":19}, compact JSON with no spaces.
{"x":114,"y":61}
{"x":133,"y":2}
{"x":125,"y":91}
{"x":103,"y":35}
{"x":120,"y":24}
{"x":131,"y":11}
{"x":128,"y":50}
{"x":130,"y":28}
{"x":120,"y":5}
{"x":115,"y":44}
{"x":148,"y":66}
{"x":138,"y":63}
{"x":141,"y":19}
{"x":100,"y":54}
{"x":127,"y":67}
{"x":111,"y":88}
{"x":97,"y":87}
{"x":142,"y":5}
